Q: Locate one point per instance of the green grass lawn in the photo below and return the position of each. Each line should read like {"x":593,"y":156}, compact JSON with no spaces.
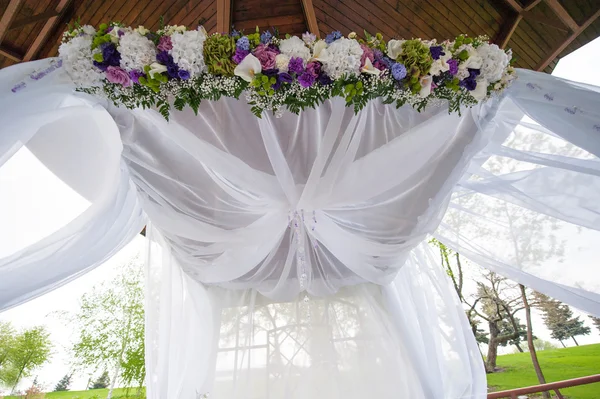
{"x":557,"y":365}
{"x":118,"y":393}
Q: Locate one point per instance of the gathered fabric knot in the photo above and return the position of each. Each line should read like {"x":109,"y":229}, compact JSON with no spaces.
{"x":299,"y":221}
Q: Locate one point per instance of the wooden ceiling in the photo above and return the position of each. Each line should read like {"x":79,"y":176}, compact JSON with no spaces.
{"x":540,"y":32}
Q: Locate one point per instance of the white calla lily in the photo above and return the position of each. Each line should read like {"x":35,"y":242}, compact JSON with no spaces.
{"x":320,"y":52}
{"x":155,"y":68}
{"x":369,"y":68}
{"x":425,"y":82}
{"x":394,"y":48}
{"x":480,"y":91}
{"x":248,"y":68}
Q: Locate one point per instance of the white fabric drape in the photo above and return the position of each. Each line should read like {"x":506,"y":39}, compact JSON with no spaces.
{"x":250,"y":215}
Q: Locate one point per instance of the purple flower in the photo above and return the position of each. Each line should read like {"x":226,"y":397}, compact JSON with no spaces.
{"x":325,"y":80}
{"x":468,"y":83}
{"x":165,"y":43}
{"x":473,"y":73}
{"x":436,"y":52}
{"x":110,"y":28}
{"x":453,"y":67}
{"x":183,"y":74}
{"x":285,"y":77}
{"x":164,"y":58}
{"x":314,"y":68}
{"x":306,"y":79}
{"x":296,"y":65}
{"x":173,"y":71}
{"x":398,"y":71}
{"x":266,"y":55}
{"x":118,"y":75}
{"x":333,"y":36}
{"x":265,"y":37}
{"x":135,"y":76}
{"x":151,"y":36}
{"x":110,"y":55}
{"x":367,"y":53}
{"x":121,"y":33}
{"x":243,"y":43}
{"x":239,"y":55}
{"x":270,"y":72}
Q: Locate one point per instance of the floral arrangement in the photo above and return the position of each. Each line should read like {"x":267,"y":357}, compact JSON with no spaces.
{"x":179,"y":67}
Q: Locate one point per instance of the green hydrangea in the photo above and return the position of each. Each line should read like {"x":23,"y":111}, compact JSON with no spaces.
{"x":218,"y":50}
{"x":416,"y":58}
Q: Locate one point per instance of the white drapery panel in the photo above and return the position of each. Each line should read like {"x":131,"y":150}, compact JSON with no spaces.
{"x":407,"y":339}
{"x":79,"y":142}
{"x":529,"y":206}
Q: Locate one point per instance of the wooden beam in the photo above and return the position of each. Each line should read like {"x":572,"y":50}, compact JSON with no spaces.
{"x":563,"y":14}
{"x":269,"y":22}
{"x":46,"y":30}
{"x":532,"y":4}
{"x":515,"y":5}
{"x":507,"y":31}
{"x":529,"y":16}
{"x":10,"y":53}
{"x":310,"y":16}
{"x":559,"y":49}
{"x":19,"y":23}
{"x":223,"y":16}
{"x":8,"y":16}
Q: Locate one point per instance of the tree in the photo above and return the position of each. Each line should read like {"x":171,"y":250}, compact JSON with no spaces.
{"x":63,"y":384}
{"x":102,"y":382}
{"x":30,"y":349}
{"x":596,"y":321}
{"x":506,"y":327}
{"x":559,"y":319}
{"x":542,"y":345}
{"x":111,"y":328}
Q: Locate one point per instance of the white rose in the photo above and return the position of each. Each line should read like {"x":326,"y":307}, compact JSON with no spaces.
{"x":282,"y":62}
{"x":394,"y":48}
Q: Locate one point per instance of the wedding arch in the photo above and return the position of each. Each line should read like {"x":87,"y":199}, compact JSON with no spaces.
{"x":289,"y":186}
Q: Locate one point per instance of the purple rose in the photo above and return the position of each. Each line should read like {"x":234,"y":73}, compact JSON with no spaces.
{"x":183,"y":74}
{"x":367,"y":53}
{"x":118,"y":75}
{"x":306,"y":79}
{"x":436,"y":52}
{"x":165,"y":44}
{"x":164,"y":58}
{"x":110,"y":55}
{"x":314,"y":68}
{"x":453,"y":67}
{"x":135,"y":76}
{"x":296,"y":65}
{"x":239,"y":55}
{"x":266,"y":55}
{"x":173,"y":71}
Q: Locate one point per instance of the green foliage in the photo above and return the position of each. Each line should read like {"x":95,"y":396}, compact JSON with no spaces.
{"x":218,"y":50}
{"x":557,"y":364}
{"x":559,"y":319}
{"x":63,"y":384}
{"x":118,"y":393}
{"x":596,"y":321}
{"x":102,"y":382}
{"x":542,"y":345}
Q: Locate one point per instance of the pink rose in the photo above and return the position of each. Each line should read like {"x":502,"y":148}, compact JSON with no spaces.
{"x":314,"y":68}
{"x":165,"y":44}
{"x":118,"y":75}
{"x":367,"y":53}
{"x":266,"y":55}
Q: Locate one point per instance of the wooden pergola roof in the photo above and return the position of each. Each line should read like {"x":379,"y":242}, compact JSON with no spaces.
{"x":540,"y":32}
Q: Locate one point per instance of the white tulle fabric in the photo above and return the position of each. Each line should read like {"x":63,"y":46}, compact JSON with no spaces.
{"x":251,"y":216}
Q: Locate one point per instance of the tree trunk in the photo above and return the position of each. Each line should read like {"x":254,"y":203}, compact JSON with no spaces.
{"x":574,"y":340}
{"x":532,"y":352}
{"x":562,"y":343}
{"x":492,"y":355}
{"x":519,"y":348}
{"x":113,"y":381}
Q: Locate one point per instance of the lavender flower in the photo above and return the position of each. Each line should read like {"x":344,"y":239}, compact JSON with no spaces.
{"x":285,"y":77}
{"x":110,"y":55}
{"x":265,"y":37}
{"x":135,"y":76}
{"x":118,"y":75}
{"x":183,"y":74}
{"x":453,"y":65}
{"x":164,"y":58}
{"x":306,"y":79}
{"x":239,"y":55}
{"x":333,"y":36}
{"x":325,"y":80}
{"x":436,"y":52}
{"x":314,"y":68}
{"x":173,"y":71}
{"x":398,"y":71}
{"x":270,"y":72}
{"x":296,"y":65}
{"x":165,"y":44}
{"x":243,"y":43}
{"x":468,"y":83}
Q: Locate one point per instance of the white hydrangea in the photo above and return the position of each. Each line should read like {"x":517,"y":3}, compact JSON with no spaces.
{"x":344,"y":58}
{"x":78,"y":62}
{"x":474,"y":61}
{"x":136,"y":50}
{"x":495,"y":61}
{"x":88,"y":30}
{"x":294,"y":47}
{"x":188,"y":50}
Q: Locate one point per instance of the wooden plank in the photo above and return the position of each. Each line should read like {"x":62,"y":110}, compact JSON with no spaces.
{"x":506,"y":33}
{"x":545,"y":21}
{"x":19,"y":23}
{"x":532,"y":4}
{"x":46,"y":30}
{"x":515,"y":5}
{"x":11,"y":54}
{"x":223,"y":16}
{"x":562,"y":14}
{"x":275,"y":21}
{"x":566,"y":43}
{"x":310,"y":16}
{"x":8,"y":16}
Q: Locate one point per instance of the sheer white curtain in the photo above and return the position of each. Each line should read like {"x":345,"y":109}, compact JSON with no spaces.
{"x":79,"y":142}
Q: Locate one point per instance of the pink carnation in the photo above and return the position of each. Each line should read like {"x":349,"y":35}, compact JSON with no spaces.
{"x":118,"y":75}
{"x":266,"y":55}
{"x":165,"y":44}
{"x":367,"y":53}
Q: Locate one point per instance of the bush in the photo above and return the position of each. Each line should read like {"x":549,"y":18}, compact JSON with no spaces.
{"x":33,"y":393}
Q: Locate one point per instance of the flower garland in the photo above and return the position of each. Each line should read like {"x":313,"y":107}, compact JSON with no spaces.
{"x":178,"y":67}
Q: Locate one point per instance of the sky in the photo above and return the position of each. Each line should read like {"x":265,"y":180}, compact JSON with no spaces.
{"x":34,"y":203}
